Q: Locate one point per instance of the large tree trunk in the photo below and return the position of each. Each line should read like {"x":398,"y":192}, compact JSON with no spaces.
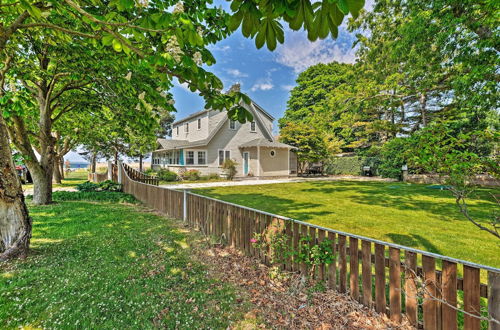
{"x":423,"y":108}
{"x":15,"y":223}
{"x":42,"y":182}
{"x":57,"y":171}
{"x":61,"y":167}
{"x":93,"y":163}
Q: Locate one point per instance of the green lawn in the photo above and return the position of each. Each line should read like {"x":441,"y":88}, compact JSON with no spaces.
{"x":408,"y":214}
{"x":102,"y":265}
{"x":70,"y":181}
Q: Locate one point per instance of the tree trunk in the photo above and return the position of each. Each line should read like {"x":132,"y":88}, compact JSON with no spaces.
{"x":116,"y":158}
{"x":93,"y":163}
{"x":61,"y":167}
{"x":15,"y":223}
{"x":57,"y":170}
{"x":42,"y":183}
{"x":423,"y":109}
{"x":140,"y":163}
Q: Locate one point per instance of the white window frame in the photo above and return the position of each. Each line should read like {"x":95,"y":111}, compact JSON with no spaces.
{"x":177,"y":130}
{"x":195,"y":157}
{"x":186,"y":127}
{"x":199,"y":124}
{"x":186,"y":160}
{"x":226,"y":153}
{"x":198,"y":157}
{"x":253,"y":126}
{"x":231,"y":122}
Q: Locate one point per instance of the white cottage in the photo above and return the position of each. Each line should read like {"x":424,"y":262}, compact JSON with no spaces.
{"x":203,"y":140}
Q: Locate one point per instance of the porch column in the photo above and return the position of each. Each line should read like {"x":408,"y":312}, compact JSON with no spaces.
{"x":258,"y":162}
{"x":288,"y":153}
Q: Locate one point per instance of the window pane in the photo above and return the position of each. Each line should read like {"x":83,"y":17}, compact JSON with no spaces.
{"x":252,"y":126}
{"x":199,"y":123}
{"x":228,"y":154}
{"x":190,"y":157}
{"x":221,"y":157}
{"x":201,"y":157}
{"x":232,"y":124}
{"x":187,"y":127}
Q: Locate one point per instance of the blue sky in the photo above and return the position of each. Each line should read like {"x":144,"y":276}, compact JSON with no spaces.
{"x":267,"y":77}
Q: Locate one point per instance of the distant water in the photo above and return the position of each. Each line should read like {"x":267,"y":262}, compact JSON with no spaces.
{"x":78,"y":165}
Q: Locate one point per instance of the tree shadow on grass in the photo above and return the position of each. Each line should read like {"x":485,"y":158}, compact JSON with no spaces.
{"x":413,"y":240}
{"x":303,"y":211}
{"x":406,"y":197}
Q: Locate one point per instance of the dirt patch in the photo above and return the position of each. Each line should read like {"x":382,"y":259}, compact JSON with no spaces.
{"x":283,"y":300}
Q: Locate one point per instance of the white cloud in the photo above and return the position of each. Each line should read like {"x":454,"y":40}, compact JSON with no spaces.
{"x":236,"y":73}
{"x":299,"y":53}
{"x":220,"y":48}
{"x":287,"y":87}
{"x":263,"y":86}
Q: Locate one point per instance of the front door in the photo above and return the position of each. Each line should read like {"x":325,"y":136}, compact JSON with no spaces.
{"x":246,"y":157}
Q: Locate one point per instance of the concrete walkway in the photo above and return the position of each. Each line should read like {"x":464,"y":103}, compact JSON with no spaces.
{"x":30,"y":190}
{"x":272,"y":181}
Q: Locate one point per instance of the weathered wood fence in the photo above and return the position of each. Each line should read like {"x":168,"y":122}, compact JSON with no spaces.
{"x":403,"y":282}
{"x":139,"y":176}
{"x":110,"y":174}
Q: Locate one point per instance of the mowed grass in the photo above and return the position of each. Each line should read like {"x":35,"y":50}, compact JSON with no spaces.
{"x":70,"y":180}
{"x":110,"y":266}
{"x":408,"y":214}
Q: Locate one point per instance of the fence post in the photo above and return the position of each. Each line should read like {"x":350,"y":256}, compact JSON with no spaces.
{"x":110,"y":170}
{"x":494,"y":299}
{"x":184,"y":205}
{"x":120,"y":179}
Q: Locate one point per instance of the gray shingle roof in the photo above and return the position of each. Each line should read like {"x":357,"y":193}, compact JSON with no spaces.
{"x":265,"y":143}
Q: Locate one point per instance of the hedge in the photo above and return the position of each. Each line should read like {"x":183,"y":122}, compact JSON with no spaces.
{"x":350,"y":165}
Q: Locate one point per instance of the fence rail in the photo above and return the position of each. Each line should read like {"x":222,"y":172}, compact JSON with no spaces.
{"x":140,"y":177}
{"x":424,"y":287}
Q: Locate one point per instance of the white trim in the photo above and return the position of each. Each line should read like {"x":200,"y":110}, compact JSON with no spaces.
{"x":195,"y":157}
{"x":288,"y":161}
{"x":258,"y":161}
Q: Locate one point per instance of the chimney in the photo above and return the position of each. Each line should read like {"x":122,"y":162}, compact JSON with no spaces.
{"x":235,"y":88}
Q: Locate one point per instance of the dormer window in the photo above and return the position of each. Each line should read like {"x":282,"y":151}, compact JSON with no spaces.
{"x":187,"y":127}
{"x":199,"y":123}
{"x":232,"y":124}
{"x":252,"y":126}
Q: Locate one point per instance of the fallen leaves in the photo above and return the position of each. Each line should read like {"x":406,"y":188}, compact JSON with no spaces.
{"x":287,"y":301}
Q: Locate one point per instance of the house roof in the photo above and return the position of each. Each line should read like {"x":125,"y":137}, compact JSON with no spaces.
{"x":261,"y":142}
{"x":196,"y":114}
{"x":171,"y":144}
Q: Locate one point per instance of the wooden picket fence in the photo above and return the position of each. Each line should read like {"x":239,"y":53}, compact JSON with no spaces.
{"x":100,"y":177}
{"x":423,"y":287}
{"x":140,"y":177}
{"x":97,"y":177}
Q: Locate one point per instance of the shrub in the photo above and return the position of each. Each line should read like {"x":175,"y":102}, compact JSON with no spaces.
{"x":392,"y":158}
{"x":94,"y":196}
{"x":213,"y":176}
{"x":350,"y":165}
{"x":191,"y":175}
{"x":87,"y":186}
{"x":166,"y":175}
{"x":229,"y":167}
{"x":109,"y":185}
{"x":150,"y":171}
